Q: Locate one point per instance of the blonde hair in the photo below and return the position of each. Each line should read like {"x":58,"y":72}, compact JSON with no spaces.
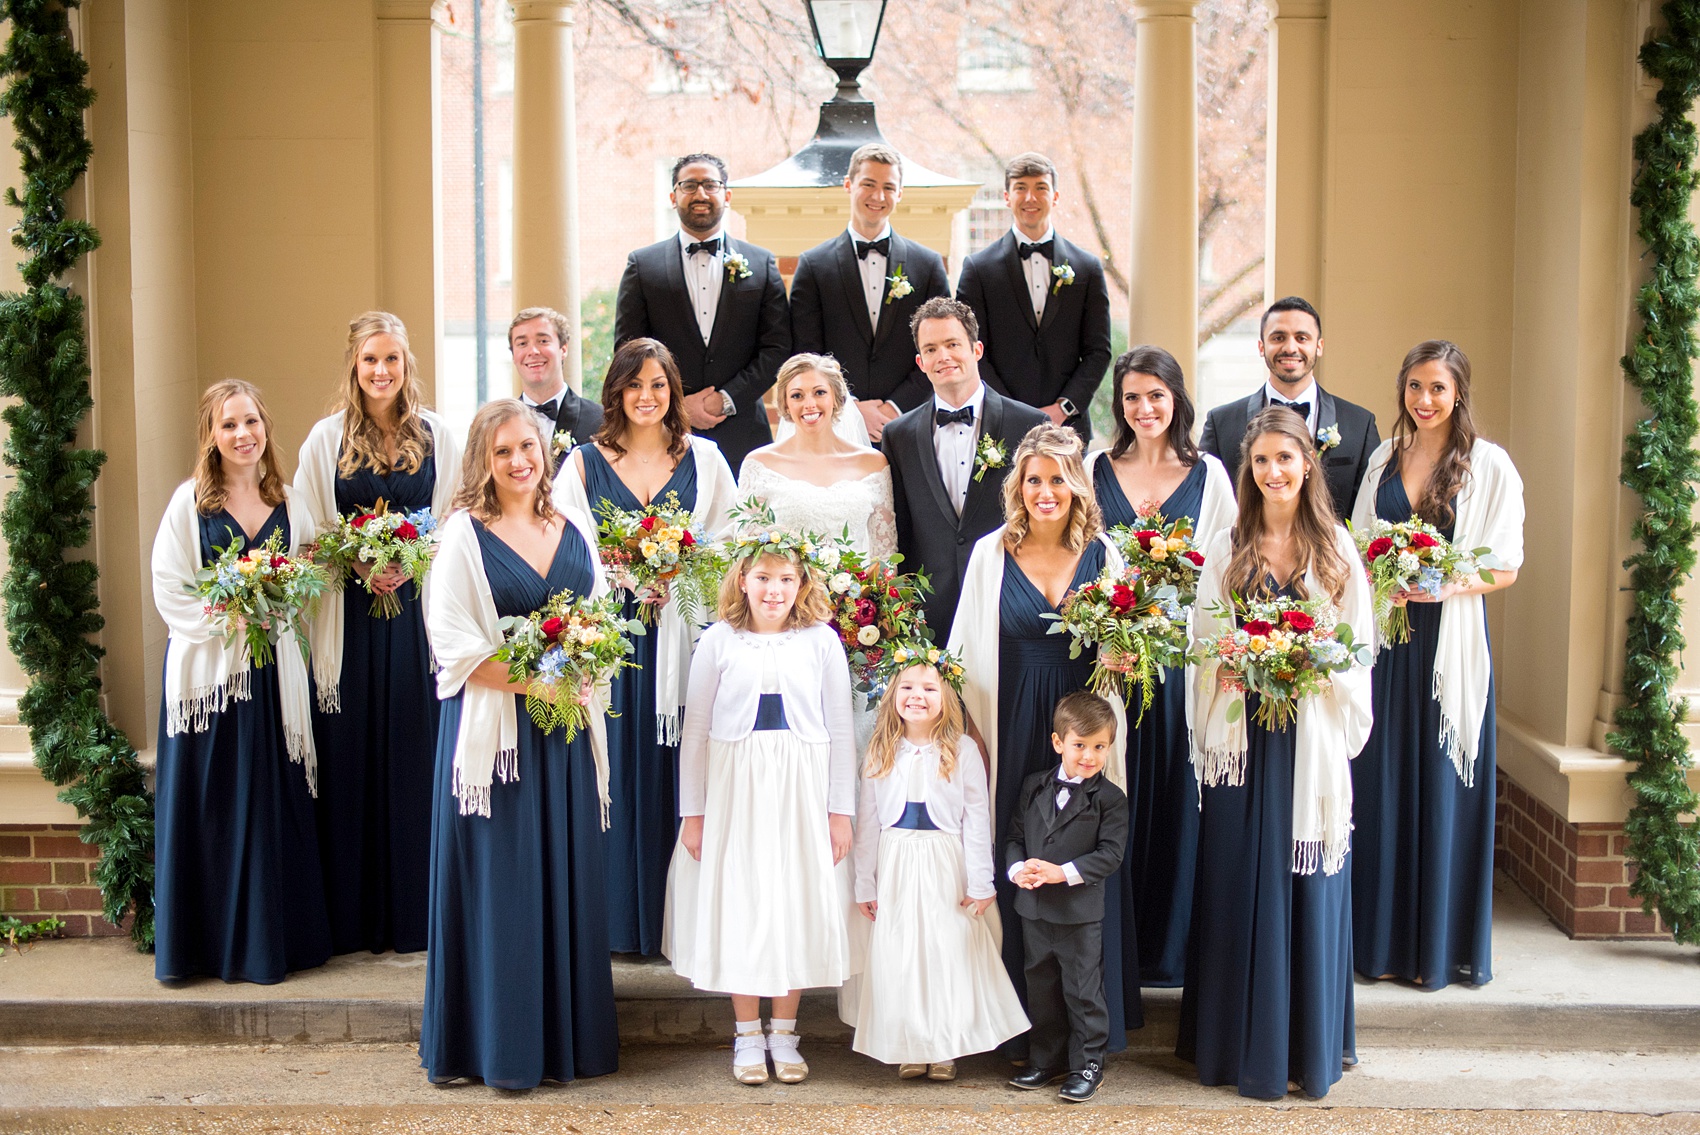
{"x":888,"y":728}
{"x":826,"y":366}
{"x":210,"y":490}
{"x":362,"y":438}
{"x":1314,"y":526}
{"x":809,"y":608}
{"x":477,"y":490}
{"x":1063,"y":446}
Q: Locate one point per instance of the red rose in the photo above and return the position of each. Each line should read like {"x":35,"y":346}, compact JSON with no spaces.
{"x":1423,"y":540}
{"x":1379,"y":547}
{"x":1197,"y":558}
{"x":865,"y":613}
{"x":279,"y":561}
{"x":360,"y":521}
{"x":1145,"y":536}
{"x":1122,"y":597}
{"x":1298,"y":621}
{"x":686,"y":540}
{"x":647,"y":524}
{"x":1257,"y":627}
{"x":552,"y":627}
{"x":406,"y":531}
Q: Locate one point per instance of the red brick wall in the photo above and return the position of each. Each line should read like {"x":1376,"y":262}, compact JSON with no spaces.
{"x":44,"y":870}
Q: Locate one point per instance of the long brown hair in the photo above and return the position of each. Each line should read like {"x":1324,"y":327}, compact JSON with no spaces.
{"x":1314,"y":526}
{"x":477,"y":490}
{"x":810,"y":607}
{"x":362,"y":438}
{"x":888,"y":728}
{"x":1063,"y":446}
{"x":210,"y":490}
{"x":623,"y":371}
{"x":1453,"y":468}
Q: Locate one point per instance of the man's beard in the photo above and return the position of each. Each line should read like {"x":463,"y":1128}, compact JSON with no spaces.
{"x":695,"y":222}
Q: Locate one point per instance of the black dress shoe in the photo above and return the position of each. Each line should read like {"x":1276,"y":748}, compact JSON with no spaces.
{"x":1032,"y":1079}
{"x":1082,"y":1085}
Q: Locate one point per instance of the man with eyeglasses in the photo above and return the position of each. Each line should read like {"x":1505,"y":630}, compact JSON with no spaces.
{"x":719,"y":306}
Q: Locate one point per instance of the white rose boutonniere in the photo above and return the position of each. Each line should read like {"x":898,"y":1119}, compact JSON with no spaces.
{"x":897,"y":285}
{"x":1064,"y":275}
{"x":989,"y":454}
{"x":737,"y":266}
{"x":561,"y":442}
{"x":1327,"y":438}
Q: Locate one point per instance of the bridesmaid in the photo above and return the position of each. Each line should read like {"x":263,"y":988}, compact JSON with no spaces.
{"x":517,"y":983}
{"x":1017,"y":671}
{"x":1267,"y":1004}
{"x":1423,"y":791}
{"x":377,"y":719}
{"x":1153,"y":463}
{"x":237,"y":892}
{"x":643,"y":452}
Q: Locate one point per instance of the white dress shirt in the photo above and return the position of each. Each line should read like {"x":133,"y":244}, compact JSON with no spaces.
{"x":958,"y":806}
{"x":547,"y":422}
{"x":1308,"y":397}
{"x":873,"y":270}
{"x":705,"y":275}
{"x":953,"y":445}
{"x":1037,"y":269}
{"x":1069,"y":870}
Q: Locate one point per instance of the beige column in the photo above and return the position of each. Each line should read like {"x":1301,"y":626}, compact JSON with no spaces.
{"x":1163,"y":277}
{"x":410,"y":243}
{"x":546,"y":165}
{"x":1298,"y":91}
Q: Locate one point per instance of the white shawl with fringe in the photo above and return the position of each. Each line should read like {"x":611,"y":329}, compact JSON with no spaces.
{"x":1489,"y":515}
{"x":315,"y":478}
{"x":204,"y":673}
{"x":1331,"y":728}
{"x":676,"y":636}
{"x":1218,"y":510}
{"x":461,"y":620}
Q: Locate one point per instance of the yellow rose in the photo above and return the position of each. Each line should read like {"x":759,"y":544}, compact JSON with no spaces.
{"x":1176,"y":544}
{"x":1159,"y":551}
{"x":649,"y":548}
{"x":247,"y":567}
{"x":1258,"y":644}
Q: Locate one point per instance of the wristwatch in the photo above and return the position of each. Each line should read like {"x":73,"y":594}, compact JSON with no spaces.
{"x":1067,"y":408}
{"x":727,"y":406}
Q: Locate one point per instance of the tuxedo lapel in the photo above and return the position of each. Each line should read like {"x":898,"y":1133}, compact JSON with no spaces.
{"x":1077,"y":798}
{"x":673,"y":271}
{"x":927,"y":461}
{"x":1011,"y":256}
{"x":989,"y":425}
{"x":850,"y":277}
{"x":1327,"y":413}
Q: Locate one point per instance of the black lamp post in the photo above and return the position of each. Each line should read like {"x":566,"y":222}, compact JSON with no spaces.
{"x":846,"y":32}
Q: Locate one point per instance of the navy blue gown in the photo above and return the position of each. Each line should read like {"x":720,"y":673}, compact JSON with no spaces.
{"x":237,"y":893}
{"x":1422,"y":842}
{"x":1034,"y":674}
{"x":518,"y":988}
{"x":375,"y":755}
{"x":1268,"y":994}
{"x":643,"y":774}
{"x":1162,"y":793}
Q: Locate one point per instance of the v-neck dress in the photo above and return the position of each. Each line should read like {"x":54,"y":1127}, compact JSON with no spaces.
{"x":518,"y":988}
{"x":375,"y":755}
{"x":237,"y":890}
{"x":643,"y":773}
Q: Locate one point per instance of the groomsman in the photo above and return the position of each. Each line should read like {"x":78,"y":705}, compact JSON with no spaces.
{"x":947,"y":492}
{"x":1042,"y":302}
{"x":852,"y":297}
{"x":537,"y":340}
{"x":1290,"y":341}
{"x":717,"y":303}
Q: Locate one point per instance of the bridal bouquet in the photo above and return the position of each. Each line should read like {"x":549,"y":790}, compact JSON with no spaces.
{"x":874,"y":606}
{"x":1133,"y":617}
{"x":379,"y":538}
{"x":1166,"y":554}
{"x":259,"y":594}
{"x":1286,"y":650}
{"x":654,"y":551}
{"x":1414,"y":556}
{"x":563,"y":649}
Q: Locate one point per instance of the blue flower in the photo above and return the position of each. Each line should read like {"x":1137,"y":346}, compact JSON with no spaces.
{"x":423,"y":520}
{"x":229,"y":577}
{"x":552,"y":665}
{"x":1328,"y":653}
{"x":1431,"y":580}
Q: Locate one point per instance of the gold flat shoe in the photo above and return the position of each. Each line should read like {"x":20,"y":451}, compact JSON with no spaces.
{"x":752,"y":1074}
{"x":911,"y":1071}
{"x":785,"y":1071}
{"x":942,"y":1070}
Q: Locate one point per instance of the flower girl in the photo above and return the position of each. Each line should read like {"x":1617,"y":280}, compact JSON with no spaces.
{"x":934,"y":987}
{"x":767,"y":787}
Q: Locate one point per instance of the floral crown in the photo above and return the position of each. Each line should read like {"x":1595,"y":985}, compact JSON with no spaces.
{"x":755,"y":531}
{"x":918,"y":652}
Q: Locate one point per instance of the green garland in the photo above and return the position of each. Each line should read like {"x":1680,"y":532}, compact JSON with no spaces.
{"x":52,"y":608}
{"x":1659,"y":463}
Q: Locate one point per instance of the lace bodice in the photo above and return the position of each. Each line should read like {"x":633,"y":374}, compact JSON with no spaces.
{"x":864,"y":505}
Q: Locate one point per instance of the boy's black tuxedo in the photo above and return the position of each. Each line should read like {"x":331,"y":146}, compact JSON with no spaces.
{"x":751,"y":336}
{"x":1344,"y":465}
{"x":829,"y":316}
{"x":1039,"y":361}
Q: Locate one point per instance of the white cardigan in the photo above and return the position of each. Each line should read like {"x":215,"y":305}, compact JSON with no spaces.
{"x":959,"y":806}
{"x":1489,"y":515}
{"x":1219,"y":509}
{"x":461,"y":620}
{"x":315,"y":479}
{"x":717,"y":492}
{"x":204,"y":673}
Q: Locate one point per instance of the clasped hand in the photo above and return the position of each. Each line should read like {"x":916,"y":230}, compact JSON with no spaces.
{"x":383,"y":582}
{"x":1035,"y":873}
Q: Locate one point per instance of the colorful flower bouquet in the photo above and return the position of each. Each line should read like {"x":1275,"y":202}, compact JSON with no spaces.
{"x":561,"y":650}
{"x":653,"y":551}
{"x":873,"y":606}
{"x":379,"y":538}
{"x":1285,"y":650}
{"x":1166,"y":554}
{"x":1414,"y":556}
{"x":260,"y":594}
{"x":1129,"y":615}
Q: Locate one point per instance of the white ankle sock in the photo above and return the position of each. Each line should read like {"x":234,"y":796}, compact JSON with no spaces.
{"x":748,"y":1051}
{"x":784,"y":1048}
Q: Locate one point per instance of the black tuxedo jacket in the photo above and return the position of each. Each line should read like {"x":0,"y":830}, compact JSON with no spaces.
{"x":1090,"y":831}
{"x":830,"y":317}
{"x":929,"y":533}
{"x":1039,"y":361}
{"x":577,"y":415}
{"x":751,"y":337}
{"x":1344,"y":465}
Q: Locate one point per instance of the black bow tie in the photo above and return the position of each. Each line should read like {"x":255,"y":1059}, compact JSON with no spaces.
{"x":548,"y":409}
{"x":943,"y":417}
{"x":881,"y":246}
{"x":1044,"y":248}
{"x":710,"y":246}
{"x":1302,"y":409}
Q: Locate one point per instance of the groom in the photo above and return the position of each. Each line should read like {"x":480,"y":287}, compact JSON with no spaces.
{"x":950,"y":454}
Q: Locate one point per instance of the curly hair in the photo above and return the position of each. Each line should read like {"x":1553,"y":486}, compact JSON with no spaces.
{"x":1063,"y":445}
{"x":1453,"y":468}
{"x":362,"y":438}
{"x":1315,"y":525}
{"x":210,"y":490}
{"x":810,"y":607}
{"x":888,"y":728}
{"x":477,"y":490}
{"x":623,"y":371}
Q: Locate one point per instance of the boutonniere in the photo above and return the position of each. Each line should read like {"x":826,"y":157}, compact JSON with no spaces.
{"x":561,"y":442}
{"x":897,"y":285}
{"x":1327,"y":438}
{"x":989,"y":454}
{"x":737,"y":266}
{"x":1064,"y":275}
